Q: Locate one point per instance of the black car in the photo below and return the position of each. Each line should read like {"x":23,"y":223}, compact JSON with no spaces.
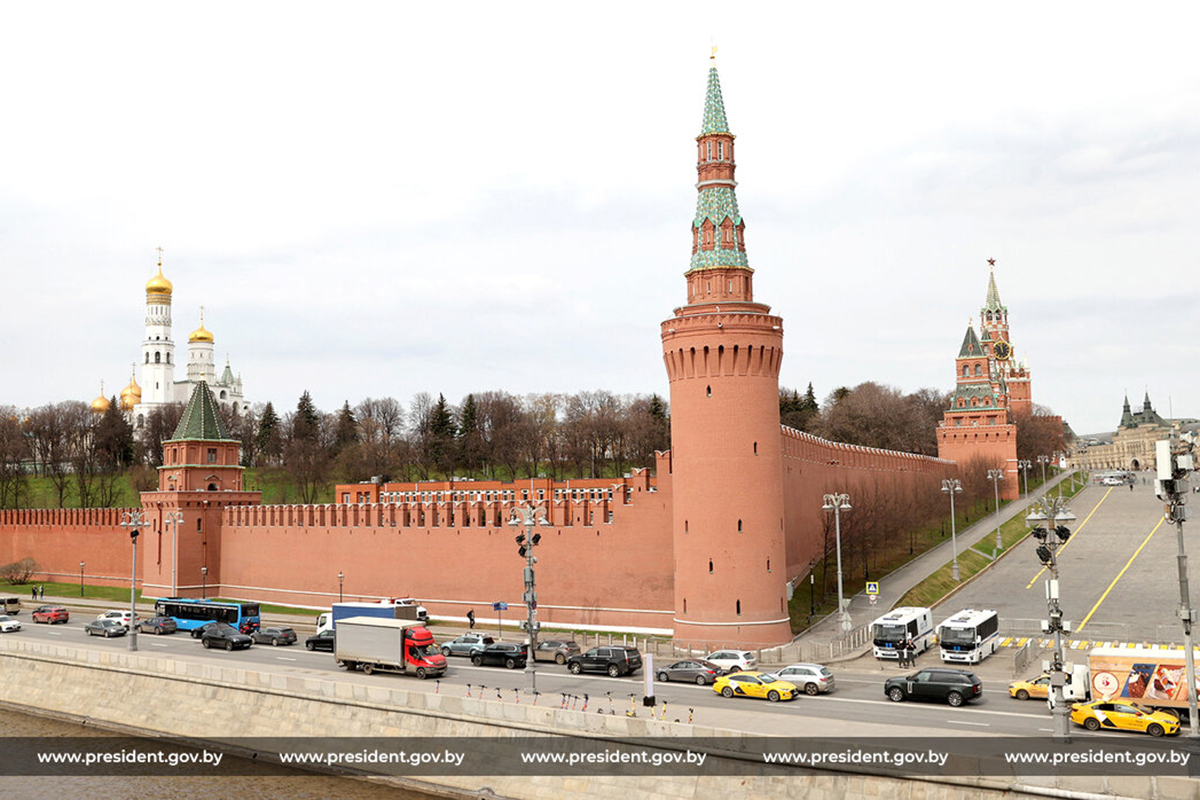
{"x":158,"y":625}
{"x":274,"y":636}
{"x":208,"y":626}
{"x":226,"y":636}
{"x":500,"y":653}
{"x":322,"y":641}
{"x":693,"y":670}
{"x":613,"y":659}
{"x":954,"y":686}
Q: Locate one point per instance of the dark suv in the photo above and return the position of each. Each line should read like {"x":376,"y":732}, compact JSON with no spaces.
{"x":613,"y":659}
{"x":500,"y":653}
{"x":226,"y":636}
{"x":954,"y":686}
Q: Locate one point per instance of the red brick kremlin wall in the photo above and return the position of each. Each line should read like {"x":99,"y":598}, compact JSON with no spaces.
{"x":60,"y":538}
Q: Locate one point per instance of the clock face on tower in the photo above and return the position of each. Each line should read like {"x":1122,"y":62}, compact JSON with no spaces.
{"x":1002,"y":350}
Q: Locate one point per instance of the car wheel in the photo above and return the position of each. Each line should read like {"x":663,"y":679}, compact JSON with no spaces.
{"x":727,"y":691}
{"x":421,"y":674}
{"x":560,"y":659}
{"x":663,"y":678}
{"x":773,"y":696}
{"x":206,"y":643}
{"x":895,"y":694}
{"x":445,"y":652}
{"x":107,"y":635}
{"x":275,"y":642}
{"x":310,"y":645}
{"x":811,"y":689}
{"x":510,"y":663}
{"x":229,"y":646}
{"x":955,"y":699}
{"x":700,"y":681}
{"x":1155,"y":730}
{"x":614,"y":671}
{"x":1092,"y":724}
{"x":477,"y":660}
{"x":88,"y":631}
{"x":368,"y":668}
{"x":1022,"y":694}
{"x":576,"y":668}
{"x":734,"y":669}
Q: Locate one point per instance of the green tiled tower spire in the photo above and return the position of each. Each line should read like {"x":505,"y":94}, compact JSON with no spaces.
{"x":993,"y":294}
{"x":717,"y":204}
{"x":201,"y":420}
{"x":970,"y":346}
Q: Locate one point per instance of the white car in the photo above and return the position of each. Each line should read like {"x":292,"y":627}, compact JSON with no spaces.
{"x":8,"y":624}
{"x":733,"y":660}
{"x":123,"y":617}
{"x":812,"y":678}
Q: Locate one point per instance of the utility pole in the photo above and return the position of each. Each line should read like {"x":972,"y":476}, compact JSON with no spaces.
{"x":529,"y":516}
{"x":1174,"y":461}
{"x":837,"y":503}
{"x":1047,"y":518}
{"x":134,"y":522}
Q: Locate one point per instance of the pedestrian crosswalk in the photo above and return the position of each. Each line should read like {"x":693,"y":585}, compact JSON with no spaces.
{"x":1084,"y":644}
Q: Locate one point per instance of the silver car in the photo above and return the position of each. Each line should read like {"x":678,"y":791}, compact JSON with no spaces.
{"x":810,"y":678}
{"x":556,"y":650}
{"x":467,"y":643}
{"x":105,"y":627}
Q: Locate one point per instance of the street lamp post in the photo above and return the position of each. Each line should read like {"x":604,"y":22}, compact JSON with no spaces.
{"x":203,"y":583}
{"x":995,"y":476}
{"x":1025,"y":464}
{"x":81,"y":579}
{"x":836,"y":503}
{"x":1043,"y":460}
{"x":133,"y":522}
{"x":341,"y":581}
{"x":529,"y":516}
{"x":1048,"y":520}
{"x":953,"y":486}
{"x":174,"y":517}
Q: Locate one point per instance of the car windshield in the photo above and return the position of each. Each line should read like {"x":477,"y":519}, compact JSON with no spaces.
{"x":890,"y":633}
{"x":957,"y":635}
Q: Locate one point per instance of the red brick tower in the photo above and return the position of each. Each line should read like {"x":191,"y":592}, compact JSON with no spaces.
{"x":722,"y":352}
{"x":199,"y":477}
{"x":978,"y":422}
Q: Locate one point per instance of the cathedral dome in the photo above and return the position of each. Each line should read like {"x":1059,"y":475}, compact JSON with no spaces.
{"x":201,"y":334}
{"x":100,"y":405}
{"x":158,"y":284}
{"x":131,"y":395}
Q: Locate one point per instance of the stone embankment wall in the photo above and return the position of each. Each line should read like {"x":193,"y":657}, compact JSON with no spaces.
{"x":215,"y":702}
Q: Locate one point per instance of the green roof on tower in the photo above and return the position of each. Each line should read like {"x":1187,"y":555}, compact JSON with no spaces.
{"x":714,"y":106}
{"x":970,"y":346}
{"x":201,"y":420}
{"x":993,"y":295}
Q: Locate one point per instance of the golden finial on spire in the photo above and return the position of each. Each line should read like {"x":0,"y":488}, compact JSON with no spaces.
{"x":201,"y":316}
{"x":713,"y":56}
{"x":160,"y":252}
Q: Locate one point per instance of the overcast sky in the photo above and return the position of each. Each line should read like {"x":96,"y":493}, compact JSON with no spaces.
{"x":383,"y":199}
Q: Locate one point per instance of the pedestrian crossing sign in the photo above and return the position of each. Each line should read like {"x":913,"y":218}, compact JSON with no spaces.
{"x":872,"y":587}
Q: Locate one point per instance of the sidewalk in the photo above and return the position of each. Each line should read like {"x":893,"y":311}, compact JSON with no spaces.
{"x":894,"y":585}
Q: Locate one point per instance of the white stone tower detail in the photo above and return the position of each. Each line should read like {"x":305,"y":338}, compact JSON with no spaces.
{"x":158,"y":350}
{"x":201,"y":366}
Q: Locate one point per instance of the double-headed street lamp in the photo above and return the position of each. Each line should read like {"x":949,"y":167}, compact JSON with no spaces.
{"x":1048,"y":519}
{"x":837,"y":503}
{"x":1024,"y":465}
{"x":995,"y":476}
{"x":529,"y":516}
{"x":174,"y":517}
{"x":953,"y":486}
{"x":133,"y":522}
{"x":1043,"y":460}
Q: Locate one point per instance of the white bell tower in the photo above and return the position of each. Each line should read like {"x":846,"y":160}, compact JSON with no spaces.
{"x":158,"y":350}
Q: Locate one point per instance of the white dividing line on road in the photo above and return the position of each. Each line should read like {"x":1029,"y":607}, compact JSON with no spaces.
{"x":960,"y":722}
{"x":157,"y":644}
{"x":1046,"y":730}
{"x":285,"y":658}
{"x":54,"y":633}
{"x":888,"y":702}
{"x":876,"y":683}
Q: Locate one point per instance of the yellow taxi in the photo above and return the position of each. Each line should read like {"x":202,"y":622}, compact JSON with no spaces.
{"x":755,"y":684}
{"x":1108,"y":715}
{"x":1036,"y":687}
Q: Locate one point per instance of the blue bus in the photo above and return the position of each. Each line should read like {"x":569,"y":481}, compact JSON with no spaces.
{"x":190,"y":613}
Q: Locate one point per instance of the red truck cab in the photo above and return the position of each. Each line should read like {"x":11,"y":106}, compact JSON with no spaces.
{"x":421,"y":652}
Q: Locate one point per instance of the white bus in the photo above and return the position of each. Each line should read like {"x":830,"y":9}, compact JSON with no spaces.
{"x":969,"y":636}
{"x":891,"y":630}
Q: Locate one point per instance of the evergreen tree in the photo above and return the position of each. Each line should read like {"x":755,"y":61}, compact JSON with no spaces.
{"x":307,"y":423}
{"x":442,"y":434}
{"x":346,"y":430}
{"x":268,"y":434}
{"x":114,"y":440}
{"x":470,"y":442}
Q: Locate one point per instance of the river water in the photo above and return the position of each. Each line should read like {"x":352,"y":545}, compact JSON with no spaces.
{"x":273,"y":781}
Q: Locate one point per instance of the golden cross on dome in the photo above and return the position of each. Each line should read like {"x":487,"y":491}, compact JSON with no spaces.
{"x":201,"y":316}
{"x":160,"y":252}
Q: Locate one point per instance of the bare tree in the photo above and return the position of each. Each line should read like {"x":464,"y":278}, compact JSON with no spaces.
{"x":51,"y":438}
{"x":15,"y":454}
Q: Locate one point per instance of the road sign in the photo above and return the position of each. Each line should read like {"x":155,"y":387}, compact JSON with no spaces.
{"x":872,"y":587}
{"x":873,"y":598}
{"x":499,"y":606}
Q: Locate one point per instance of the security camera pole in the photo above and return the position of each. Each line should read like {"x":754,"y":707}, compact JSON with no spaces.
{"x":1174,"y":461}
{"x":1048,"y":518}
{"x":529,"y":516}
{"x":134,"y":523}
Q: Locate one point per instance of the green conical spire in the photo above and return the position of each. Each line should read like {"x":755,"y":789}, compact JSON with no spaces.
{"x":993,"y":294}
{"x":201,"y":420}
{"x":970,"y":346}
{"x":714,"y":106}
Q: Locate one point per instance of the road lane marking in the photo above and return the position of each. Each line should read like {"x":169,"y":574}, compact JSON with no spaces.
{"x":889,"y":702}
{"x":157,"y":644}
{"x":1077,"y":530}
{"x":1128,"y":564}
{"x":285,"y":658}
{"x":960,"y":722}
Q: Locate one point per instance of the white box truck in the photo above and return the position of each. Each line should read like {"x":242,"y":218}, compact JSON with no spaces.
{"x":387,"y":645}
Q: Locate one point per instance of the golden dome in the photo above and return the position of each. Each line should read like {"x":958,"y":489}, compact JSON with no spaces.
{"x":100,"y":405}
{"x":131,"y":395}
{"x":201,"y":334}
{"x":158,"y":284}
